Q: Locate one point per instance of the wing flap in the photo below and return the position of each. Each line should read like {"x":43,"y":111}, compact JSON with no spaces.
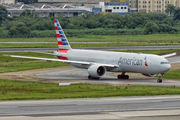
{"x":59,"y":60}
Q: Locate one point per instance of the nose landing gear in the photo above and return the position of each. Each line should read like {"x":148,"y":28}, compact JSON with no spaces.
{"x":160,"y":78}
{"x":123,"y":76}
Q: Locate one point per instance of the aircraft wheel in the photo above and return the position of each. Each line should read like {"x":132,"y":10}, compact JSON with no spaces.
{"x":159,"y":80}
{"x":90,"y":77}
{"x":119,"y":76}
{"x":127,"y":76}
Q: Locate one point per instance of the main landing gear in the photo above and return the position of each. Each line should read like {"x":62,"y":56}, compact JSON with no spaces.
{"x":160,"y":78}
{"x":93,"y":78}
{"x":123,"y":76}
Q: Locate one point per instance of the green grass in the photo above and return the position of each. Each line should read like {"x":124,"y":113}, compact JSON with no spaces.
{"x":23,"y":90}
{"x":9,"y":64}
{"x":153,"y":38}
{"x":117,"y":40}
{"x":174,"y":74}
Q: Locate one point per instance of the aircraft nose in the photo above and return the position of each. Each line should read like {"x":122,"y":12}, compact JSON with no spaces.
{"x":167,"y":68}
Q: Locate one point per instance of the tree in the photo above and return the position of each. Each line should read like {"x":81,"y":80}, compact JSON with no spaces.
{"x":177,"y":14}
{"x":3,"y":13}
{"x":150,"y":28}
{"x":28,"y":12}
{"x":170,"y":9}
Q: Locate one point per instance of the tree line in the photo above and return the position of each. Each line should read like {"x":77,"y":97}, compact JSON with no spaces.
{"x":30,"y":24}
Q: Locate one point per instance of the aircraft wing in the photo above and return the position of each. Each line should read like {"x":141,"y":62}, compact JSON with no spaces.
{"x":65,"y":61}
{"x":169,"y":55}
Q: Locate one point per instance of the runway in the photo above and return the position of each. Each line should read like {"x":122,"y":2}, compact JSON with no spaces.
{"x":114,"y":108}
{"x":94,"y":48}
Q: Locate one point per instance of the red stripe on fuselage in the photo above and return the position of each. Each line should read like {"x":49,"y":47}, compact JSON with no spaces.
{"x":58,"y":35}
{"x":60,"y":43}
{"x":63,"y":50}
{"x":54,"y":21}
{"x":62,"y":58}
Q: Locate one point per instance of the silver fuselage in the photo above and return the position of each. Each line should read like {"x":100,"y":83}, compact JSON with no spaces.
{"x":126,"y":62}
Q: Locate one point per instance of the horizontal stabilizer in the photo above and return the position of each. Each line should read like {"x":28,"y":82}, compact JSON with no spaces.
{"x":53,"y":54}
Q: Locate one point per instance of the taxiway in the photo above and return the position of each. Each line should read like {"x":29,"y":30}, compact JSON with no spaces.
{"x":161,"y":107}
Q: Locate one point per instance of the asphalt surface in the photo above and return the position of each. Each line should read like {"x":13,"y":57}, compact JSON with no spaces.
{"x":94,"y":108}
{"x":94,"y":48}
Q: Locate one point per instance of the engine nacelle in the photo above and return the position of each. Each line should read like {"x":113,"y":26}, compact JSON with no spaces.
{"x":96,"y":70}
{"x":149,"y":75}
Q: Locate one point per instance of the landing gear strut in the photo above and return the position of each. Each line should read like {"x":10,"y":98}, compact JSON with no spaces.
{"x":160,"y":78}
{"x":123,"y":76}
{"x":91,"y":78}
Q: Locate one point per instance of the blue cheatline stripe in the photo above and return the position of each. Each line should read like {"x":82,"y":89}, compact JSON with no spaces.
{"x":145,"y":58}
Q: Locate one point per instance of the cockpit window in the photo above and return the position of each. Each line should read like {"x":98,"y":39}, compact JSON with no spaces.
{"x":164,"y":62}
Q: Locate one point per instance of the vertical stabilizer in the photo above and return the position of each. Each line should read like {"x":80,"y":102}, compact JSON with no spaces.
{"x":63,"y":43}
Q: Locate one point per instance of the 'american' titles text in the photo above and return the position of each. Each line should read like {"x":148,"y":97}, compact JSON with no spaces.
{"x":133,"y":62}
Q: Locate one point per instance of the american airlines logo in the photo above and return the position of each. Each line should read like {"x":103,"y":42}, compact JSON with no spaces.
{"x":133,"y":62}
{"x":145,"y":61}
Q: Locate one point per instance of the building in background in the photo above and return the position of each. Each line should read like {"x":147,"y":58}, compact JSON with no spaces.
{"x":69,"y":8}
{"x":7,"y":1}
{"x":88,"y":3}
{"x":133,"y":5}
{"x":156,"y":6}
{"x":114,"y":6}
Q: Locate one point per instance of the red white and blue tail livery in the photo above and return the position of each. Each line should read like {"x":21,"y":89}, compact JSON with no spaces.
{"x":61,"y":38}
{"x":98,"y":63}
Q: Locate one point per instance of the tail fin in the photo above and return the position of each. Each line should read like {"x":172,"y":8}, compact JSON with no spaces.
{"x":63,"y":43}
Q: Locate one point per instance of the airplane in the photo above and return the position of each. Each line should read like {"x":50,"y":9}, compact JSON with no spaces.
{"x":98,"y":63}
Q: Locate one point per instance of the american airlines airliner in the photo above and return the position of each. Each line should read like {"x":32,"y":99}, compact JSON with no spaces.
{"x":98,"y":63}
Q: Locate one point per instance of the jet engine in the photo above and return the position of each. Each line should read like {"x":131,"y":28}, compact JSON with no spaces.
{"x":96,"y":71}
{"x":149,"y":75}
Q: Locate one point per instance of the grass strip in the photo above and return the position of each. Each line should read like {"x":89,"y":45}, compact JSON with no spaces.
{"x":174,"y":74}
{"x":25,"y":90}
{"x":163,"y":38}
